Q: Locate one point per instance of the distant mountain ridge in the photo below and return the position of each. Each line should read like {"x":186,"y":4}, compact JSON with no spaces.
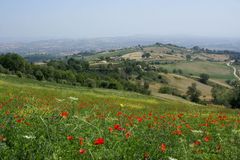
{"x":73,"y":46}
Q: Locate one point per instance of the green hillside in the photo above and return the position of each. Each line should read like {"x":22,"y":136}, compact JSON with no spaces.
{"x":43,"y":120}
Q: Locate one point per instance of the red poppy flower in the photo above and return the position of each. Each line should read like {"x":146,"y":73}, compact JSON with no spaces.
{"x":139,"y":119}
{"x":205,"y":125}
{"x":64,"y":115}
{"x":197,"y":143}
{"x":179,"y":127}
{"x":177,"y":132}
{"x":128,"y":134}
{"x":180,"y":115}
{"x":207,"y":138}
{"x":119,"y":113}
{"x":117,"y":127}
{"x":163,"y":147}
{"x":69,"y":138}
{"x":7,"y":112}
{"x":81,"y":140}
{"x":19,"y":120}
{"x":82,"y":151}
{"x":27,"y":123}
{"x":110,"y":129}
{"x":99,"y":141}
{"x":188,"y":126}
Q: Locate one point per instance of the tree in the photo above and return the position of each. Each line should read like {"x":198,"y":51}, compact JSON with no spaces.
{"x":77,"y":65}
{"x":146,"y":85}
{"x":91,"y":83}
{"x":19,"y":74}
{"x":3,"y":70}
{"x":13,"y":62}
{"x":188,"y":57}
{"x":193,"y":93}
{"x":196,"y":48}
{"x":221,"y":95}
{"x":204,"y":78}
{"x":235,"y":101}
{"x":146,"y":55}
{"x":104,"y":84}
{"x":69,"y":76}
{"x":180,"y":71}
{"x":169,"y":90}
{"x":39,"y":75}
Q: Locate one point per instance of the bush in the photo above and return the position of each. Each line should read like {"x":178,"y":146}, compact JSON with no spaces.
{"x":146,"y":55}
{"x":235,"y":100}
{"x":19,"y":74}
{"x":146,"y":85}
{"x":169,"y":90}
{"x":13,"y":62}
{"x":39,"y":75}
{"x":221,"y":95}
{"x":30,"y":76}
{"x":3,"y":70}
{"x":91,"y":83}
{"x":104,"y":84}
{"x":161,"y":79}
{"x":204,"y":78}
{"x":193,"y":93}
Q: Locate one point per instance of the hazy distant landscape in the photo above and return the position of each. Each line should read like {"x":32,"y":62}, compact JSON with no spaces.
{"x":73,"y":46}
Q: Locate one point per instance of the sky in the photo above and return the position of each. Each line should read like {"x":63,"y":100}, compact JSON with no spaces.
{"x":110,"y":18}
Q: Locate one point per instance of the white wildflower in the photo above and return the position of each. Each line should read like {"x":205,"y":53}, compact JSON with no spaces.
{"x":29,"y":137}
{"x":197,"y":131}
{"x":73,"y":98}
{"x":171,"y":158}
{"x":60,"y":100}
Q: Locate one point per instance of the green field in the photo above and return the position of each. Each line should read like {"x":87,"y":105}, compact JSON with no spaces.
{"x":42,"y":120}
{"x":216,"y":70}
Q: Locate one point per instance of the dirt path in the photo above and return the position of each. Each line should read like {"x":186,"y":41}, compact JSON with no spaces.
{"x":234,"y":70}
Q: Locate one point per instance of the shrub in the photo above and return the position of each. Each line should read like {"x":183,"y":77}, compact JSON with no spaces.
{"x":19,"y":74}
{"x":221,"y":95}
{"x":91,"y":83}
{"x":169,"y":90}
{"x":193,"y":93}
{"x":104,"y":84}
{"x":39,"y":75}
{"x":204,"y":78}
{"x":146,"y":85}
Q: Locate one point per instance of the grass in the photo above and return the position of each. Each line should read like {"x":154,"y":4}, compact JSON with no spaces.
{"x":42,"y":120}
{"x":217,"y":70}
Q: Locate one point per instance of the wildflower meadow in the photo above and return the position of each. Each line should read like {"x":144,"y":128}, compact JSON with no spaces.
{"x":52,"y":122}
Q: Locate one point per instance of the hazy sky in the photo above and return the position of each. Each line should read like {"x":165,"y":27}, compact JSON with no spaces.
{"x":100,"y":18}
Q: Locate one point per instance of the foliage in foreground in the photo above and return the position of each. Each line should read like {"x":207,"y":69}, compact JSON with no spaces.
{"x":41,"y":123}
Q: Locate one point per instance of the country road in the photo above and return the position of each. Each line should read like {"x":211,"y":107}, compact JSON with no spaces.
{"x":234,"y":69}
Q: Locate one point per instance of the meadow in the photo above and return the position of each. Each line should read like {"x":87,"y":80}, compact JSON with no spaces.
{"x":43,"y":120}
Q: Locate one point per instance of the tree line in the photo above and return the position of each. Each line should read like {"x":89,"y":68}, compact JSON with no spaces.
{"x":76,"y":72}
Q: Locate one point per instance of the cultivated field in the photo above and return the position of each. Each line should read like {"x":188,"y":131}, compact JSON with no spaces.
{"x":216,"y":70}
